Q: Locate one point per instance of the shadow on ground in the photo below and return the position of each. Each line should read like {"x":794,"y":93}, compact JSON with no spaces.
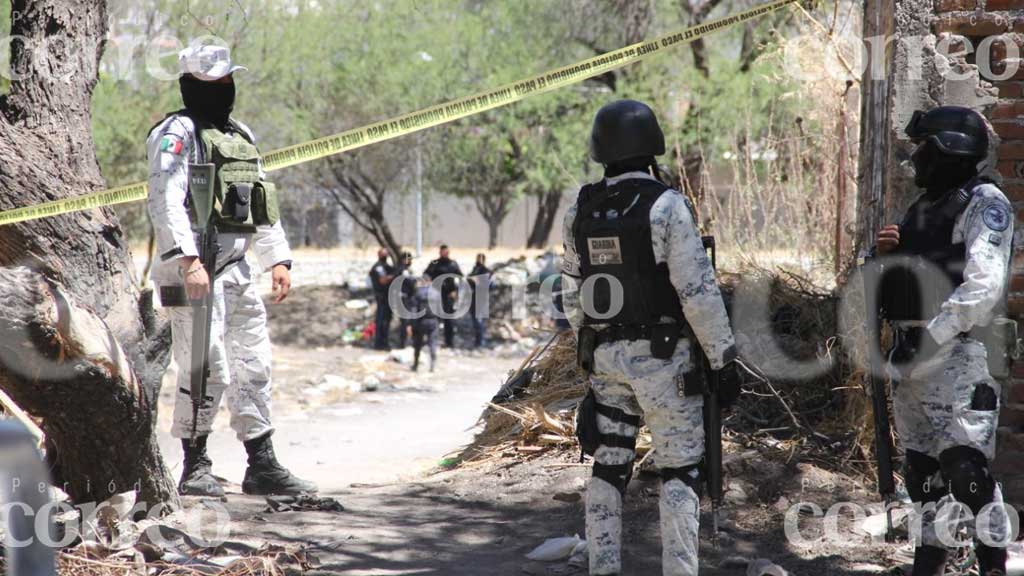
{"x":480,"y":522}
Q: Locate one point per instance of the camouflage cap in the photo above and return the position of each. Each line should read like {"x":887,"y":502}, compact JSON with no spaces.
{"x":207,"y":62}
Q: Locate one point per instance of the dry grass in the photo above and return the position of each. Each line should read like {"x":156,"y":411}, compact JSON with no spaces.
{"x":792,"y":193}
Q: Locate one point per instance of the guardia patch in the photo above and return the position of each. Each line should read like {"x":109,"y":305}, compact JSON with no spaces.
{"x":605,"y":251}
{"x":171,"y":144}
{"x":996,"y":217}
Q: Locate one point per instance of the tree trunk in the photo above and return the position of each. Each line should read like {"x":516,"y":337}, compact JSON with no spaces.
{"x":82,"y":349}
{"x":492,"y":233}
{"x":875,"y":141}
{"x":544,"y":220}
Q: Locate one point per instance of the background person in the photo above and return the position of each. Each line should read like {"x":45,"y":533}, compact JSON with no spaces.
{"x":480,"y":279}
{"x":381,"y":275}
{"x":442,"y":266}
{"x":239,"y":344}
{"x":425,"y":302}
{"x":407,"y":290}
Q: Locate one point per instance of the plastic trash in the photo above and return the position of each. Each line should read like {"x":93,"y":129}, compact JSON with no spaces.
{"x":762,"y":567}
{"x":1015,"y":561}
{"x":877,"y":524}
{"x":555,"y":549}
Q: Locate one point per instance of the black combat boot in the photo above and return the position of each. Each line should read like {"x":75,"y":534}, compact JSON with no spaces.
{"x":991,"y":561}
{"x":196,"y":477}
{"x":929,"y":561}
{"x":266,"y":476}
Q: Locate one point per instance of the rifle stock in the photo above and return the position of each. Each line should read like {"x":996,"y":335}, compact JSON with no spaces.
{"x":871,"y":271}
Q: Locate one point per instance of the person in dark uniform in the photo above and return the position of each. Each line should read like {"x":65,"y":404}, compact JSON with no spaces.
{"x":480,"y":279}
{"x":423,"y":304}
{"x":407,"y":289}
{"x":381,"y":275}
{"x":445,"y":266}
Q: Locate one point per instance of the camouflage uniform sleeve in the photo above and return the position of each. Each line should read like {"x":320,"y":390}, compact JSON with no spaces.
{"x":988,"y":236}
{"x":571,"y":272}
{"x":169,"y":148}
{"x":270,"y":242}
{"x":677,"y":242}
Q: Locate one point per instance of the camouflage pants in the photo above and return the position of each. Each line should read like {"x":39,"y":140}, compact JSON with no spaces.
{"x":628,"y":378}
{"x":239,"y":363}
{"x":933,"y":412}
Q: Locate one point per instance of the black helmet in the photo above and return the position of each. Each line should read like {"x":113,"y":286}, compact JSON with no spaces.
{"x":625,"y":129}
{"x":955,"y":131}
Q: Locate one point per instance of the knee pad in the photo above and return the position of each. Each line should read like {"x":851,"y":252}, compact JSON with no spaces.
{"x":618,"y":475}
{"x":966,"y":471}
{"x":921,"y":474}
{"x":689,"y":475}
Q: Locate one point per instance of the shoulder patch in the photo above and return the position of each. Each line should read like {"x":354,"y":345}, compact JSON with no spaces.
{"x":996,"y":217}
{"x":171,"y":143}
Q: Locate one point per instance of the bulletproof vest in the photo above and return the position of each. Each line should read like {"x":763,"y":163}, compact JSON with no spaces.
{"x":927,"y":266}
{"x":238,"y":200}
{"x":612,"y":235}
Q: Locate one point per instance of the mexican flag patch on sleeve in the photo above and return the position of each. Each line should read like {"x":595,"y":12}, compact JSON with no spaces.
{"x":171,"y":144}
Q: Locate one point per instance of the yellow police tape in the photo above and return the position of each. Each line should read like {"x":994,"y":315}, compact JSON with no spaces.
{"x":421,"y":119}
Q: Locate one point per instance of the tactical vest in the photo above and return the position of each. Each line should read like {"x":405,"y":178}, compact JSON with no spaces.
{"x":612,"y":234}
{"x":928,"y":266}
{"x":237,"y":199}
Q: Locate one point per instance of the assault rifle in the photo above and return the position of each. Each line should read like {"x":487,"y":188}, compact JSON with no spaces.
{"x":871,"y":273}
{"x":201,"y":175}
{"x":712,"y":420}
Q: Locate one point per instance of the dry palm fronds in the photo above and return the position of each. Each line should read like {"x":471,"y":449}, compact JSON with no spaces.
{"x":268,"y":561}
{"x":543,"y":416}
{"x":812,"y":406}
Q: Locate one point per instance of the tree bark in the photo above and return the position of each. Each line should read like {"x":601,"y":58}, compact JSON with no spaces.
{"x":82,"y":349}
{"x":362,"y":199}
{"x":544,"y":220}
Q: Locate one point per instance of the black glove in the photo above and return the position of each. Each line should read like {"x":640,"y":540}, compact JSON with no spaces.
{"x":728,"y":385}
{"x":911,"y":352}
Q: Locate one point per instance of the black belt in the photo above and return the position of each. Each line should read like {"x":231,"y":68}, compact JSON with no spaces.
{"x":913,"y":334}
{"x":630,"y":332}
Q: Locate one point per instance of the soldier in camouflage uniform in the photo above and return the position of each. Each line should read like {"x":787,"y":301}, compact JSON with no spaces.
{"x":633,"y":231}
{"x":943,"y":287}
{"x":240,"y":353}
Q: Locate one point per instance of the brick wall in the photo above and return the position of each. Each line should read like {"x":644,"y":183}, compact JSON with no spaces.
{"x":975,"y":20}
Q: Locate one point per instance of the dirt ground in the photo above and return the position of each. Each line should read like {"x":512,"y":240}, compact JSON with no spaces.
{"x":484,"y":521}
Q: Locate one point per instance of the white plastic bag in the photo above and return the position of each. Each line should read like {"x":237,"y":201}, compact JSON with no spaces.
{"x":555,"y":549}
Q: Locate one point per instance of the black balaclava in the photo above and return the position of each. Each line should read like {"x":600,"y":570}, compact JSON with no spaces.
{"x":939,"y":173}
{"x":210,"y":101}
{"x":637,"y":164}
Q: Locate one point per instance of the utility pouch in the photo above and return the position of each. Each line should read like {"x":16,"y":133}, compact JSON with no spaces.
{"x":238,"y":204}
{"x":586,"y":425}
{"x":265,"y":209}
{"x":1002,"y":346}
{"x":695,"y":382}
{"x":586,"y":344}
{"x":174,"y":297}
{"x":664,"y":338}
